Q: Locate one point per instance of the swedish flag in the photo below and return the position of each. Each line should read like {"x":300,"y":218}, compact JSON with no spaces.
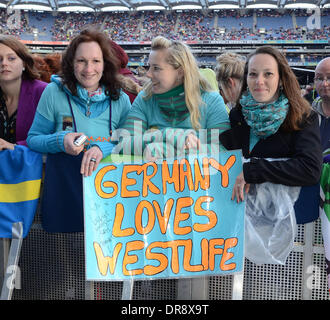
{"x":20,"y":181}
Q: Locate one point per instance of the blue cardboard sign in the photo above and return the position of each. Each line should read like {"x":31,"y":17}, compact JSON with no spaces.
{"x":166,"y":220}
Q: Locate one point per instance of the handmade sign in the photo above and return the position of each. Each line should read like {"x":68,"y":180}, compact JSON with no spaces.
{"x":167,"y":220}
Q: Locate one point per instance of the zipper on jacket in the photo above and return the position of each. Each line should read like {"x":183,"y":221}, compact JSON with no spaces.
{"x":88,"y":113}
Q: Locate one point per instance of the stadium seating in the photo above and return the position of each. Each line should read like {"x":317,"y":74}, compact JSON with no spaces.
{"x":185,"y":25}
{"x":192,"y":25}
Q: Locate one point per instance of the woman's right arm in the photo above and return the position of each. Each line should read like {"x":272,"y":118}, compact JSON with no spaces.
{"x":42,"y":136}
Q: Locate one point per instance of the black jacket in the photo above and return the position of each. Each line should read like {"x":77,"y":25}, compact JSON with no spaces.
{"x":303,"y":147}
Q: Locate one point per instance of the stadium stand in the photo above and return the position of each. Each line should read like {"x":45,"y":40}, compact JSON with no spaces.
{"x":53,"y":264}
{"x":185,"y":25}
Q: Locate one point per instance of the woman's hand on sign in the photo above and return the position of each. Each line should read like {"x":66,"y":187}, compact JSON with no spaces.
{"x":240,"y":188}
{"x":90,"y":161}
{"x":6,"y":145}
{"x":192,"y":142}
{"x":69,"y":146}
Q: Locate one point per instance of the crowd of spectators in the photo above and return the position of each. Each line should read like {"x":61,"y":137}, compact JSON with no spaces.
{"x":185,"y":25}
{"x":123,"y":26}
{"x":67,"y":26}
{"x":13,"y":23}
{"x":159,"y":23}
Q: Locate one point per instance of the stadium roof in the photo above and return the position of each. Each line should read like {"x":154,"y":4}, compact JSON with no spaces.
{"x":118,"y":5}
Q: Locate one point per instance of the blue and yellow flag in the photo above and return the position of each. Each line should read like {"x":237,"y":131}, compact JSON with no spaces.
{"x":20,"y":181}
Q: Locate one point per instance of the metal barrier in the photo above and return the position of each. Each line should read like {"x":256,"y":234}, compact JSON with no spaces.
{"x":12,"y":276}
{"x":52,"y":268}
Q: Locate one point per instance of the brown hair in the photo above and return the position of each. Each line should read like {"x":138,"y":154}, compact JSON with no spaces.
{"x":110,"y":73}
{"x":22,"y":52}
{"x":53,"y":61}
{"x":299,"y":108}
{"x":43,"y":68}
{"x":47,"y":65}
{"x":129,"y":84}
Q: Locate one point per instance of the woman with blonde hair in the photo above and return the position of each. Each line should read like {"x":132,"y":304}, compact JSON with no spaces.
{"x":177,"y":101}
{"x":229,"y":72}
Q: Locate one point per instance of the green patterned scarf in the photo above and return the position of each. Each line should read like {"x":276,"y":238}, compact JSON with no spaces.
{"x":264,"y":119}
{"x":172,"y":104}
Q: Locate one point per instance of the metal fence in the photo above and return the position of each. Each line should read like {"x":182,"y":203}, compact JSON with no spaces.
{"x":52,"y":267}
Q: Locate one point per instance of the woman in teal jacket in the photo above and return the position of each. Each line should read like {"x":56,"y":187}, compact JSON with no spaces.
{"x":86,"y":99}
{"x":177,"y":112}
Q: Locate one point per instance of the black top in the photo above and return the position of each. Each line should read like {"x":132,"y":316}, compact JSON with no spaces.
{"x":7,"y":124}
{"x":303,"y":147}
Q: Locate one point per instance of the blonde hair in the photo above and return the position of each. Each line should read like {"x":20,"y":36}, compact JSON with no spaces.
{"x":179,"y":55}
{"x":129,"y":84}
{"x":229,"y":65}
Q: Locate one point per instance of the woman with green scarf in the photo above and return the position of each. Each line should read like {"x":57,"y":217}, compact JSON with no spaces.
{"x":273,"y":121}
{"x":177,"y":112}
{"x":280,"y":141}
